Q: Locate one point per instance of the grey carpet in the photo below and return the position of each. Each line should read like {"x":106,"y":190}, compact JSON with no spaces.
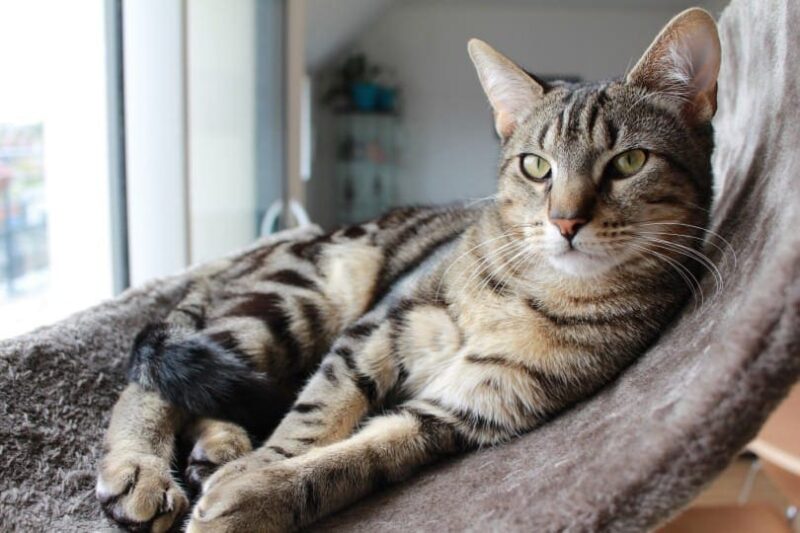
{"x":624,"y":460}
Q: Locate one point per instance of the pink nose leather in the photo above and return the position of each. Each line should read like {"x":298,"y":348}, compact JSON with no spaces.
{"x":568,"y":226}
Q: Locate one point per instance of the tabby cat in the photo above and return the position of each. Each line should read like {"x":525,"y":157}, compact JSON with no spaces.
{"x":430,"y":331}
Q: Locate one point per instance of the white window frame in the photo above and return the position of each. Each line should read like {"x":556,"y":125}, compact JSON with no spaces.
{"x":154,"y":52}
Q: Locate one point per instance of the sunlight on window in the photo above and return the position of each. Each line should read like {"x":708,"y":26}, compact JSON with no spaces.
{"x":55,"y":255}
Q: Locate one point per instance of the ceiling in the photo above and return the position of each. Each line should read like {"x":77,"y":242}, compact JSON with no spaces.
{"x":332,"y":24}
{"x":585,"y":4}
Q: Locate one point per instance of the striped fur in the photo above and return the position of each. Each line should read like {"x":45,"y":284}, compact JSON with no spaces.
{"x":427,"y":332}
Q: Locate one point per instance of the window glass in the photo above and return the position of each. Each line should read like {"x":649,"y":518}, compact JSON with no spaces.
{"x":55,"y":253}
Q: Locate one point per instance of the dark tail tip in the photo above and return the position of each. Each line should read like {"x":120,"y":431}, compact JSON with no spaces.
{"x":191,"y":371}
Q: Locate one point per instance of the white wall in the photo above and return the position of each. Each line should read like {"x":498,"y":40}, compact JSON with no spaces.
{"x":330,"y":24}
{"x":450,"y":150}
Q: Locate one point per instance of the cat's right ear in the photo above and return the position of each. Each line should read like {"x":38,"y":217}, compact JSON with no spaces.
{"x":511,"y":91}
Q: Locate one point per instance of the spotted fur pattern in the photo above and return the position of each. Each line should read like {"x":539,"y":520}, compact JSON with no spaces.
{"x":430,"y":331}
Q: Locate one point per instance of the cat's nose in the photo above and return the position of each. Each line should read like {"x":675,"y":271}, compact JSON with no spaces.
{"x":569,"y":226}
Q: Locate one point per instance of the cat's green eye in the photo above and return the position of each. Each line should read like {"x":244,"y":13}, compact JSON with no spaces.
{"x":630,"y":162}
{"x":534,"y":167}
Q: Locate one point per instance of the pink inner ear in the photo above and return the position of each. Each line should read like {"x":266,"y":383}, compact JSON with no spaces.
{"x":701,"y":45}
{"x":510,"y":90}
{"x":505,"y":124}
{"x":705,"y":61}
{"x":684,"y":61}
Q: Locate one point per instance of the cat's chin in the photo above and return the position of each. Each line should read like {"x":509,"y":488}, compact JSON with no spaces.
{"x":578,"y":264}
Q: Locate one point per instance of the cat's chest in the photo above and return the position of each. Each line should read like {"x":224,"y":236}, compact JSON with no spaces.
{"x":432,"y":338}
{"x":511,"y":327}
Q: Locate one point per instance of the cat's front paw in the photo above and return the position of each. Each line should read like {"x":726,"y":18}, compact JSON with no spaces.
{"x":138,"y":493}
{"x":256,"y":499}
{"x":255,"y":460}
{"x":214,"y":449}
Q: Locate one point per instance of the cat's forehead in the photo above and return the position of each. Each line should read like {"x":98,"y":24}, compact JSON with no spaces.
{"x":570,"y":100}
{"x":589,"y":117}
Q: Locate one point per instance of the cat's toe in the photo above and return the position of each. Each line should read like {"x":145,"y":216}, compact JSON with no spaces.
{"x":219,"y":443}
{"x":197,"y":472}
{"x":210,"y":453}
{"x":138,"y":493}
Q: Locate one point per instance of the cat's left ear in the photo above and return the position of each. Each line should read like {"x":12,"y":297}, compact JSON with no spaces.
{"x":512,"y":92}
{"x":684,"y":61}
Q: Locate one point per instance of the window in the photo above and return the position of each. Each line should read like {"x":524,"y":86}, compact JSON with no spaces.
{"x":23,"y":216}
{"x":202,"y":151}
{"x":55,"y":241}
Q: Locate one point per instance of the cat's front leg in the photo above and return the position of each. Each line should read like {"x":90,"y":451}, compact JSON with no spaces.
{"x":135,"y":485}
{"x":290,"y":494}
{"x":353,"y":379}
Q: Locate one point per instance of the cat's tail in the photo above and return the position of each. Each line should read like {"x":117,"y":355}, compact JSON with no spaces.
{"x":199,"y":374}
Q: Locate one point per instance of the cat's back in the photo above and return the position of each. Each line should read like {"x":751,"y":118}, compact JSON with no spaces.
{"x":353,"y":267}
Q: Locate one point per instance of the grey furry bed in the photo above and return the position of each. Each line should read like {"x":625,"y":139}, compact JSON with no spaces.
{"x":624,"y":460}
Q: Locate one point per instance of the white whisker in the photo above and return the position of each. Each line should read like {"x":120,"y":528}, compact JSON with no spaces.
{"x":691,"y":281}
{"x":460,"y":257}
{"x":490,"y":198}
{"x":480,"y":264}
{"x":504,"y":268}
{"x":693,"y":254}
{"x":683,"y":224}
{"x":724,"y":253}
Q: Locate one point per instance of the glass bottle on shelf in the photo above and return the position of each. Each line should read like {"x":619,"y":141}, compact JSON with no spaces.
{"x":366,"y":164}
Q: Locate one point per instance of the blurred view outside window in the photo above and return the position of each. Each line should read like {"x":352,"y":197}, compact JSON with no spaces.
{"x":55,"y":249}
{"x":23,"y":215}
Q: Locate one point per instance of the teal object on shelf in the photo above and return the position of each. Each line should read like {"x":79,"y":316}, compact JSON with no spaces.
{"x":386,"y":98}
{"x":365,"y":96}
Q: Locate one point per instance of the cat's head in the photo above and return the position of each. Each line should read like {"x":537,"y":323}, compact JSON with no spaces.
{"x":597,"y":174}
